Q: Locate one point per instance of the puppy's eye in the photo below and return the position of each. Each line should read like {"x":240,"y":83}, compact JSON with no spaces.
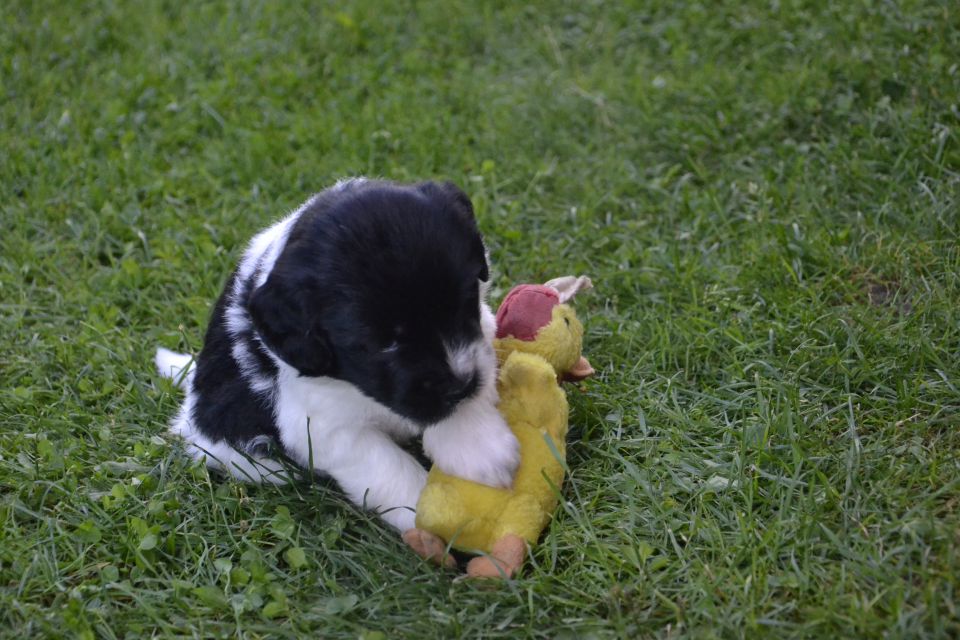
{"x":358,"y":348}
{"x":393,"y":347}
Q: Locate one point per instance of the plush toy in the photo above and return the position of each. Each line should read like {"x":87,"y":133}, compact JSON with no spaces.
{"x":538,"y":344}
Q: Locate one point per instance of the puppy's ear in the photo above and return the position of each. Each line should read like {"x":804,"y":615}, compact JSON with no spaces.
{"x":290,"y":327}
{"x":459,"y":197}
{"x":464,"y":208}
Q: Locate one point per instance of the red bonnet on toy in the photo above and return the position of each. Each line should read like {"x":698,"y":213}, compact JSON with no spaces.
{"x":525,"y":310}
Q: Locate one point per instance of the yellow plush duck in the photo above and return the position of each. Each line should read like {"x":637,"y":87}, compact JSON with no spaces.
{"x":538,"y":344}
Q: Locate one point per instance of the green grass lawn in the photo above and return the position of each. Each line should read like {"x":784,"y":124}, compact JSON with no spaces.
{"x":765,"y":194}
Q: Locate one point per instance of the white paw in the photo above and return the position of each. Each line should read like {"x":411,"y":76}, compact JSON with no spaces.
{"x":477,"y":447}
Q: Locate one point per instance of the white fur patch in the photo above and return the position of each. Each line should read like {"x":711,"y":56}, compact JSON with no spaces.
{"x":248,"y":367}
{"x":462,"y":358}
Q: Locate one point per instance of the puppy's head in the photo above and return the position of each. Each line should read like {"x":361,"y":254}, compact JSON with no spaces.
{"x":380,"y":285}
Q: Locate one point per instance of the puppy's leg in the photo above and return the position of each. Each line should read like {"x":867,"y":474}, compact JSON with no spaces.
{"x":377,"y":474}
{"x":474,"y":443}
{"x":249,"y":466}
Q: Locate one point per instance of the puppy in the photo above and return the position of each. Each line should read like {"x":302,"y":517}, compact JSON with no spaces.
{"x":357,"y":321}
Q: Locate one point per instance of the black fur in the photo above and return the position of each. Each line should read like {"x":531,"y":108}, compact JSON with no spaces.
{"x":372,"y":282}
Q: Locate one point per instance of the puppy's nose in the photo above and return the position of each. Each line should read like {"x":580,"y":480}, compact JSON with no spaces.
{"x":461,"y":389}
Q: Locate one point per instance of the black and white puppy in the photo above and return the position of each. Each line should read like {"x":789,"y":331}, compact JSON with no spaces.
{"x":356,"y":321}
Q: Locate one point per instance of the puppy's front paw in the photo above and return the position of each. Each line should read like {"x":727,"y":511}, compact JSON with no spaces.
{"x":491,"y":461}
{"x":488,"y":453}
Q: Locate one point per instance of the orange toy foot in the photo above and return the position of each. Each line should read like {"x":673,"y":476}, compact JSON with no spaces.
{"x":505,"y":558}
{"x":429,"y":547}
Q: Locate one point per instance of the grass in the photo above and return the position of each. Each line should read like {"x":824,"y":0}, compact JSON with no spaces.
{"x":766,"y":194}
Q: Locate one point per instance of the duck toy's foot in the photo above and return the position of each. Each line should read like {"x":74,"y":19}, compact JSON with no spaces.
{"x":429,"y":547}
{"x":504,"y":560}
